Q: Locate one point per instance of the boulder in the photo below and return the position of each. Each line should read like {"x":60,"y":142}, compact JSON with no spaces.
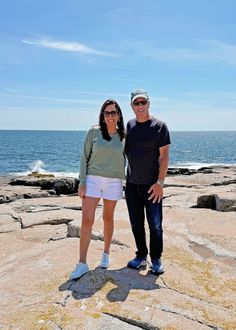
{"x":66,"y":186}
{"x":61,"y":186}
{"x":207,"y":202}
{"x":226,"y":202}
{"x":220,"y":202}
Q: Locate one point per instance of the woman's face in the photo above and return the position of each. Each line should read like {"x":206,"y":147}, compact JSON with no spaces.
{"x":111,"y":116}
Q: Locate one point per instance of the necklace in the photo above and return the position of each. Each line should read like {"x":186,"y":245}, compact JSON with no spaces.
{"x":113,"y":132}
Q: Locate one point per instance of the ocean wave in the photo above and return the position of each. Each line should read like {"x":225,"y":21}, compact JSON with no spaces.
{"x":55,"y":174}
{"x":196,"y":166}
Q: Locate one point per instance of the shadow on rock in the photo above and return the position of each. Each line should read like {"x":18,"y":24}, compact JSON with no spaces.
{"x":120,"y":280}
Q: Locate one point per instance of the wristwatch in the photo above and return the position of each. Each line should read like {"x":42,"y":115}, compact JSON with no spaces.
{"x":160,"y":182}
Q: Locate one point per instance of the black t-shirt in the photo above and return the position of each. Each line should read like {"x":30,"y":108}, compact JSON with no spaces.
{"x":142,"y":145}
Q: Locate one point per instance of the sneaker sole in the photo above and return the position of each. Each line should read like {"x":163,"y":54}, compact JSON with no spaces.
{"x":158,"y":273}
{"x":103,"y":267}
{"x":140,"y":267}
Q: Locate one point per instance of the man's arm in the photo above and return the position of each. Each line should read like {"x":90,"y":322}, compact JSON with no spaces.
{"x":156,"y":189}
{"x":164,"y":161}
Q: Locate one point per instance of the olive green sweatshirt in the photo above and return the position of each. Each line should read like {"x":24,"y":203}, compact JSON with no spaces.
{"x":101,"y":157}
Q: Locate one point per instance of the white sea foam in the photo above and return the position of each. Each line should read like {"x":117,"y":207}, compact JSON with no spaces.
{"x":56,"y":174}
{"x":196,"y":166}
{"x":37,"y":167}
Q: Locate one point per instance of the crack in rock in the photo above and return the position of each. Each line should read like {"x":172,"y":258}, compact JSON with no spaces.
{"x":190,"y":296}
{"x":141,"y":325}
{"x":54,"y":324}
{"x":46,"y":208}
{"x":64,"y":302}
{"x":224,"y":183}
{"x":56,"y":239}
{"x":49,"y":222}
{"x":176,"y":312}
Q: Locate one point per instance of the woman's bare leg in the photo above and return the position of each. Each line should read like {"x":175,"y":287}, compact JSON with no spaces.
{"x":89,"y":205}
{"x":108,"y":218}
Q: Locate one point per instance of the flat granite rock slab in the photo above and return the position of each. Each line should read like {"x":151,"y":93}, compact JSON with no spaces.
{"x":8,"y":223}
{"x":197,"y":290}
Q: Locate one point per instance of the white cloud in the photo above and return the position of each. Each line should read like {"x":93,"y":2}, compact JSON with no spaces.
{"x":68,"y":47}
{"x":206,"y":51}
{"x":55,"y":100}
{"x":225,"y":52}
{"x":11,"y":90}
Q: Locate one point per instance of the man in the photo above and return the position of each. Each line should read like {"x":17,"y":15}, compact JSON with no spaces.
{"x":147,"y":150}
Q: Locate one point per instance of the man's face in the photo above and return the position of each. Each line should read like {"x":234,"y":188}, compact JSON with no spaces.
{"x":141,"y":108}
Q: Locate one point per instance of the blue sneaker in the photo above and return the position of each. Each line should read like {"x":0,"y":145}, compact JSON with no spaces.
{"x":157,"y":267}
{"x":105,"y":261}
{"x":137,"y":263}
{"x":80,"y":269}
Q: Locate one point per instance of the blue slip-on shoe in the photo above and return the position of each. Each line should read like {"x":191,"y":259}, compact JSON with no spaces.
{"x":80,"y":269}
{"x":105,"y":261}
{"x":157,"y":267}
{"x":137,"y":263}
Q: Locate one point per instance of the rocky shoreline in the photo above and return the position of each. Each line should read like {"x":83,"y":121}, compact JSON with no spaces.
{"x":40,"y":219}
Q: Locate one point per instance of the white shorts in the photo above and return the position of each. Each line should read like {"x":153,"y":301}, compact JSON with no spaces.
{"x":101,"y":187}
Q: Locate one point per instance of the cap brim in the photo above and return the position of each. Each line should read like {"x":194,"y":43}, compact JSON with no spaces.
{"x":139,"y":95}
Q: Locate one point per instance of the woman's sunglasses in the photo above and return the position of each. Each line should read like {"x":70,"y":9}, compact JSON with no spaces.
{"x":112,"y":113}
{"x":144,"y":102}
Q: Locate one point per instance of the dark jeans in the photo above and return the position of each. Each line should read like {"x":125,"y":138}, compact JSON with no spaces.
{"x":137,"y":201}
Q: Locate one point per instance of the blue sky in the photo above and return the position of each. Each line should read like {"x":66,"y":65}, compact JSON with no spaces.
{"x":61,"y":59}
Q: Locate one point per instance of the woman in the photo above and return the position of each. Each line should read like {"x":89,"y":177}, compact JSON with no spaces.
{"x":102,"y":169}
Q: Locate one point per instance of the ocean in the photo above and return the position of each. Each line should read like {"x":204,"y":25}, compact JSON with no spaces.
{"x":58,"y":152}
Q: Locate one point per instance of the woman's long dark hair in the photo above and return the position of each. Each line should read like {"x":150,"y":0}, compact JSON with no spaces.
{"x":120,"y":123}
